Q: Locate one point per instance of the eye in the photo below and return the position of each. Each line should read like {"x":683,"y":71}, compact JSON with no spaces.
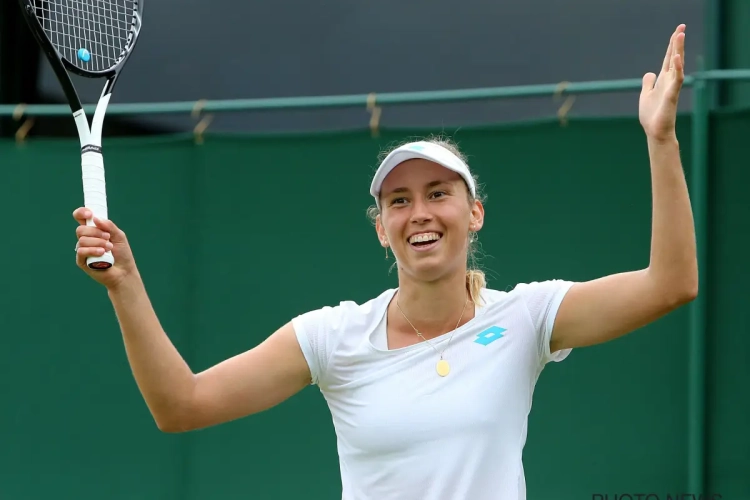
{"x":438,"y":194}
{"x":398,"y":201}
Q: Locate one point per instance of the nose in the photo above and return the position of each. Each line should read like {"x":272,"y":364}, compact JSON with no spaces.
{"x":420,"y":213}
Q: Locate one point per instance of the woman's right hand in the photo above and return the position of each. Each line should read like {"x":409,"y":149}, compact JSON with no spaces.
{"x":95,"y":240}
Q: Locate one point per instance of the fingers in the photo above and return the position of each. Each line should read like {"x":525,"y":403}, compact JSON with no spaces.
{"x":92,"y":249}
{"x":649,"y":79}
{"x":675,"y":86}
{"x":679,"y":68}
{"x":93,"y":232}
{"x":85,"y":252}
{"x":90,"y":233}
{"x":92,"y":241}
{"x":679,"y":49}
{"x":670,"y":52}
{"x":97,"y":239}
{"x":82,"y":214}
{"x":678,"y":63}
{"x":107,"y":225}
{"x":676,"y":45}
{"x":88,"y":241}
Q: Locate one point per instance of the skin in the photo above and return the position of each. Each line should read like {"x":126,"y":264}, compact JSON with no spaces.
{"x":432,"y":288}
{"x":420,"y":196}
{"x":607,"y":308}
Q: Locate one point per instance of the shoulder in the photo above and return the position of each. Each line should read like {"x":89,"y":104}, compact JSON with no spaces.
{"x":536,"y":304}
{"x":329,"y":329}
{"x":535,"y":297}
{"x":523,"y":290}
{"x":346,"y":314}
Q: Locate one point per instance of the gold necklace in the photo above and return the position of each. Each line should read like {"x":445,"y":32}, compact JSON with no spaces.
{"x":443,"y":367}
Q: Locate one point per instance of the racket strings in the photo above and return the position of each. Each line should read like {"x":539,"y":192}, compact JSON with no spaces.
{"x":91,"y":34}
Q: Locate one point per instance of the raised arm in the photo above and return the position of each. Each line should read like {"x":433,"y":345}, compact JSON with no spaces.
{"x":178,"y":399}
{"x":603,"y":309}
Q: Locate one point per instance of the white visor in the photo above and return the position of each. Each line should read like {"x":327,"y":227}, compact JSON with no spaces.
{"x":426,"y":151}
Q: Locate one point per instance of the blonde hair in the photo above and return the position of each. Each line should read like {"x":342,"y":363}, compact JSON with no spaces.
{"x":475,"y":277}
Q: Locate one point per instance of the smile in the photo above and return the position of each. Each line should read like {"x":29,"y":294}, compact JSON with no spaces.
{"x":424,"y":241}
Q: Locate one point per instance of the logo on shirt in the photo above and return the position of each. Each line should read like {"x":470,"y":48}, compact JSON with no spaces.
{"x":489,"y":335}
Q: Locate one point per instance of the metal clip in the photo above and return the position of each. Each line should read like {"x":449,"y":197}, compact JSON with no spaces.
{"x":375,"y":112}
{"x":566,"y":106}
{"x":23,"y":130}
{"x":203,"y":123}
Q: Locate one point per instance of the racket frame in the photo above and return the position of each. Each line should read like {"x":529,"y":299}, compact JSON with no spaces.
{"x":90,"y":136}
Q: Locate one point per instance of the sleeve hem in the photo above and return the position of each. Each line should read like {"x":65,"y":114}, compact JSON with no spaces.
{"x":554,"y":306}
{"x":307,"y":352}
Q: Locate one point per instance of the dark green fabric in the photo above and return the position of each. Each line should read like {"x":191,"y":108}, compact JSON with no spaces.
{"x":236,"y":236}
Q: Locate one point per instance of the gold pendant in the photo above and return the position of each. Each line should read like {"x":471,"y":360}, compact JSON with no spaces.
{"x":443,"y":368}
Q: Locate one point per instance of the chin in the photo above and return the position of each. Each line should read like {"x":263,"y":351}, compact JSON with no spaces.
{"x":429,"y":269}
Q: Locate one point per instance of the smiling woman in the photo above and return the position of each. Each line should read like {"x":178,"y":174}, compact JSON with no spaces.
{"x":430,"y":384}
{"x":475,"y":277}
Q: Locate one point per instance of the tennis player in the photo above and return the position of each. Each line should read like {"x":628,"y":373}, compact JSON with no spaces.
{"x":429,"y":385}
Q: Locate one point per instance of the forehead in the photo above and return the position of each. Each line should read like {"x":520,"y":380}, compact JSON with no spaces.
{"x":416,"y":173}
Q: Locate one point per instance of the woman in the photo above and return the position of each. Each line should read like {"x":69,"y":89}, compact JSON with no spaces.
{"x":430,"y":384}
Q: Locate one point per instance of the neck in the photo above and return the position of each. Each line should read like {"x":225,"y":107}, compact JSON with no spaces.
{"x":435,"y":307}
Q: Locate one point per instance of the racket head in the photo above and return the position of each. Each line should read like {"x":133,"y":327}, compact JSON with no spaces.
{"x":90,"y":38}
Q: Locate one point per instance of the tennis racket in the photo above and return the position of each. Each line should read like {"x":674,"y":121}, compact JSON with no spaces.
{"x":93,"y":39}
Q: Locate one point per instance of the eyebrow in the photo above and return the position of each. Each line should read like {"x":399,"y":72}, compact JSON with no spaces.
{"x":428,"y":185}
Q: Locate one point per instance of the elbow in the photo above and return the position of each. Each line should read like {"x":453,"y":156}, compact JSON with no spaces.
{"x":683,"y":294}
{"x":173,"y":420}
{"x":676,"y":290}
{"x":692,"y":292}
{"x":689,"y":289}
{"x":172,"y":425}
{"x":173,"y":415}
{"x":169,"y":426}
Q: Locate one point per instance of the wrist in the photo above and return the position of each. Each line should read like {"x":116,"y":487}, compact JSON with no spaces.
{"x":127,"y":283}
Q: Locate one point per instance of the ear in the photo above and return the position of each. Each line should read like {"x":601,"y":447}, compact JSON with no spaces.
{"x":477,"y":216}
{"x":382,"y":237}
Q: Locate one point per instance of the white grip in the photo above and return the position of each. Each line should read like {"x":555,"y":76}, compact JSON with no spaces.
{"x":95,"y":199}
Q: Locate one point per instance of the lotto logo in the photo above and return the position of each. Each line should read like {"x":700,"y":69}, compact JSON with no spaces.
{"x":489,"y":335}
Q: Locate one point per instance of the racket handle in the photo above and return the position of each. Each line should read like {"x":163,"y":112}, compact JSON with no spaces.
{"x":95,"y":199}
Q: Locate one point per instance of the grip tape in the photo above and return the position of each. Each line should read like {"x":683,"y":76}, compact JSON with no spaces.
{"x":95,"y":198}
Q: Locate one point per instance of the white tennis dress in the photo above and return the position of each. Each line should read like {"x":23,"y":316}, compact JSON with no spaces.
{"x":406,"y":433}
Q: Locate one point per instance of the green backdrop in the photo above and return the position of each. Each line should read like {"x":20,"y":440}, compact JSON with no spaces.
{"x":237,"y":235}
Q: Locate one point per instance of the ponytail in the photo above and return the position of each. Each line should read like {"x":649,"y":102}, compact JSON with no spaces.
{"x":475,"y":281}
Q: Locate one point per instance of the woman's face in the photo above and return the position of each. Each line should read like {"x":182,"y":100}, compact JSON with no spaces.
{"x":425,"y":217}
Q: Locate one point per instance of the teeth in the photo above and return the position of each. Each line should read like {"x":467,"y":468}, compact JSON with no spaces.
{"x":419,"y":238}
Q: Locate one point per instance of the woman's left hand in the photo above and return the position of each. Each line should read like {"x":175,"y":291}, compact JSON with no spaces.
{"x":659,"y":96}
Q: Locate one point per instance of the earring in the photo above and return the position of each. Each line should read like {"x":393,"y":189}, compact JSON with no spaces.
{"x":386,"y":253}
